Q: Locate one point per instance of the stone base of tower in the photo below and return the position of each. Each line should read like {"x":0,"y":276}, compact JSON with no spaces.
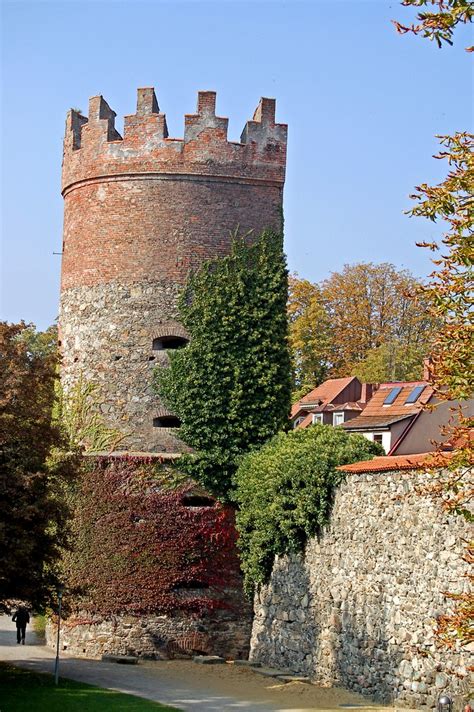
{"x":155,"y":637}
{"x":112,"y":335}
{"x":153,"y":569}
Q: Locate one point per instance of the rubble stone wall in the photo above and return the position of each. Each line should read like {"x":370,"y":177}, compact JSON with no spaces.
{"x":154,"y":636}
{"x":358,"y":609}
{"x":107,"y":334}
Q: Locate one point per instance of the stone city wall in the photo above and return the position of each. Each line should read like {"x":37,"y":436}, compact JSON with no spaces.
{"x":358,"y":609}
{"x":154,"y":636}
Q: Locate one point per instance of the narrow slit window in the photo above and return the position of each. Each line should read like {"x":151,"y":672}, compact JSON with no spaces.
{"x":193,"y":585}
{"x":392,"y":395}
{"x":197,"y":500}
{"x":415,"y":394}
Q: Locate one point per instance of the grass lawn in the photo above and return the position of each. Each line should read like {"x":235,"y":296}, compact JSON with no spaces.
{"x":39,"y":625}
{"x":25,"y":691}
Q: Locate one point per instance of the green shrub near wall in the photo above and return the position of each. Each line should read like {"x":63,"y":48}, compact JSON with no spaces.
{"x":285,"y":491}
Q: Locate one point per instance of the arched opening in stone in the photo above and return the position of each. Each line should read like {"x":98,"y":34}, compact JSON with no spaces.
{"x":169,"y":342}
{"x":197,"y":500}
{"x":166,"y":421}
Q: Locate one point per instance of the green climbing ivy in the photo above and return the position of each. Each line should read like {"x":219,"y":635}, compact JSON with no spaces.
{"x":230,"y":386}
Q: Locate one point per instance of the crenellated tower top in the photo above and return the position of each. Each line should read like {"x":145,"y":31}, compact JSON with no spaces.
{"x":93,"y":148}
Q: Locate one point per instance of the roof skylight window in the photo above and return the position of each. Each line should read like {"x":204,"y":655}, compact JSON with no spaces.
{"x":415,"y":394}
{"x":392,"y":395}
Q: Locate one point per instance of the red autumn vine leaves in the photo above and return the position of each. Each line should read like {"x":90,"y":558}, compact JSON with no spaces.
{"x":139,"y":549}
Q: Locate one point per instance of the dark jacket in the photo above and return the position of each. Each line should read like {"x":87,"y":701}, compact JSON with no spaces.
{"x":22,"y":617}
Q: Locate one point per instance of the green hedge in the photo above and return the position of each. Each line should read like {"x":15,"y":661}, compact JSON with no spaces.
{"x":285,"y":492}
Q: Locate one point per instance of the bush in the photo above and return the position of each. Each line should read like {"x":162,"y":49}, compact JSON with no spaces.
{"x":285,"y":492}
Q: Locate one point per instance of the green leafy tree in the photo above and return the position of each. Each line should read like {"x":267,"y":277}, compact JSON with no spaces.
{"x":284,"y":492}
{"x":230,"y":386}
{"x":370,"y":305}
{"x":392,"y":361}
{"x":42,"y":344}
{"x":309,"y":335}
{"x":33,"y":513}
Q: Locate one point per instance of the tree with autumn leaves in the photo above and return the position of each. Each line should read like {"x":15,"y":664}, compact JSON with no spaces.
{"x":439,"y":23}
{"x":450,"y":297}
{"x":449,"y":291}
{"x":361,"y":321}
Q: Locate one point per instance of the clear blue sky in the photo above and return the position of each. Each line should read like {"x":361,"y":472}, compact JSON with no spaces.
{"x":362,"y":104}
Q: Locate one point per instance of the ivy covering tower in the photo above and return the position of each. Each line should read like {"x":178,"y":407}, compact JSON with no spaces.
{"x":231,"y":385}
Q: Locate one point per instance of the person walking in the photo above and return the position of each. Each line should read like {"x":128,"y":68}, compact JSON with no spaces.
{"x":21,"y":617}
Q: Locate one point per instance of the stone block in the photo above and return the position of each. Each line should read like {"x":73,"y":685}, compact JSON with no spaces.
{"x":270,"y":672}
{"x":208,"y":660}
{"x":120,"y":659}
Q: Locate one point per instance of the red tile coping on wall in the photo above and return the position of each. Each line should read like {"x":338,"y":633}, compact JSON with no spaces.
{"x":388,"y":463}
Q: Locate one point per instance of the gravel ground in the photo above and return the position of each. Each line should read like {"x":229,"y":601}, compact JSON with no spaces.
{"x":184,"y":684}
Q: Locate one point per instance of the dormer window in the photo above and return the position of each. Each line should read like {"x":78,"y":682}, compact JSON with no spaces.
{"x":169,"y":343}
{"x":337,"y":418}
{"x":317,"y":418}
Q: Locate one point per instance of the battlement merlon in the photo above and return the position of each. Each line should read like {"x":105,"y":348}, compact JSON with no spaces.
{"x":262,"y":128}
{"x":94,"y":148}
{"x":205,"y":120}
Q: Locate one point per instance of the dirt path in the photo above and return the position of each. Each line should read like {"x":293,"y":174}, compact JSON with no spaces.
{"x":183,"y":684}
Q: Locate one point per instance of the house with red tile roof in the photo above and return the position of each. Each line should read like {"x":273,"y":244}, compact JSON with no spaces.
{"x":391,"y":411}
{"x":396,"y":417}
{"x":334,"y":402}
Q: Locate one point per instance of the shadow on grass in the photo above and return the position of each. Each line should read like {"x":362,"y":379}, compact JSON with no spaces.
{"x":24,"y":691}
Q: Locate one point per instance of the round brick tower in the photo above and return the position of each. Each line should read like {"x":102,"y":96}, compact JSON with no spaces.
{"x":139,"y":213}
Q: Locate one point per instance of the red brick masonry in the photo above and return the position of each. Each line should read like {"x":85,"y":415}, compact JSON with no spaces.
{"x":148,"y":206}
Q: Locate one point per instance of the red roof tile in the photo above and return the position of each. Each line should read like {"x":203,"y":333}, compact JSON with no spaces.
{"x":387,"y":463}
{"x":327,"y":391}
{"x":376,"y":414}
{"x":375,"y":405}
{"x":321,"y":395}
{"x":364,"y":422}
